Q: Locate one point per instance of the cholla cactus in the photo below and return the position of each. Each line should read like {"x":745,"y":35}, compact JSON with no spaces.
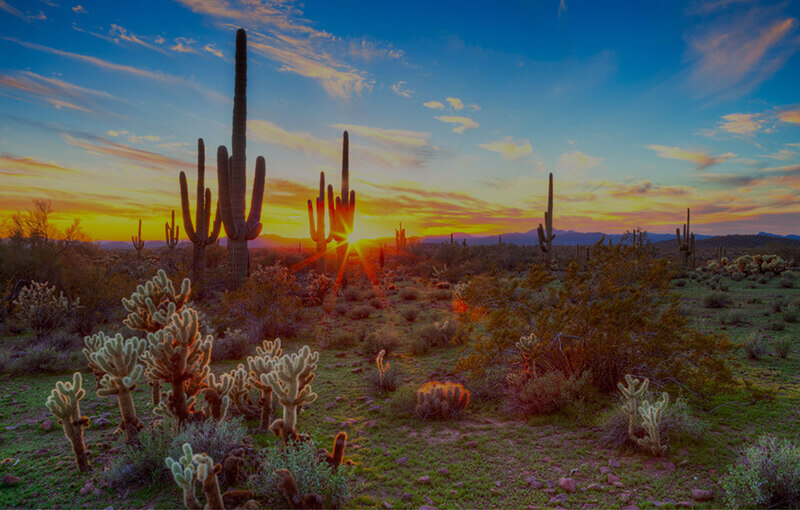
{"x":179,"y":355}
{"x":634,"y":393}
{"x":652,"y":415}
{"x":152,"y":305}
{"x":291,"y":382}
{"x":441,"y":400}
{"x":382,"y":367}
{"x":64,"y":403}
{"x":292,"y":493}
{"x":217,"y":396}
{"x":38,"y":305}
{"x":118,"y":359}
{"x":196,"y":467}
{"x":263,"y":363}
{"x":241,"y":400}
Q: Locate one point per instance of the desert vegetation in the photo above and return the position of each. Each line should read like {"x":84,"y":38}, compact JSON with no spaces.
{"x":215,"y":375}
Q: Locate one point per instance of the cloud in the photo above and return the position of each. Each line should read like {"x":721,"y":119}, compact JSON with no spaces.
{"x":153,"y":160}
{"x":369,"y":51}
{"x":79,"y":9}
{"x":434,"y":105}
{"x":400,"y":89}
{"x":118,"y":33}
{"x":792,"y":116}
{"x":734,"y":56}
{"x":55,"y":92}
{"x":741,"y":123}
{"x":464,"y":123}
{"x":474,"y":107}
{"x":701,"y":159}
{"x":390,"y":136}
{"x":4,"y":6}
{"x":781,"y":155}
{"x":211,"y":49}
{"x":576,"y":162}
{"x":16,"y":166}
{"x":135,"y":71}
{"x":508,"y":148}
{"x":455,"y":103}
{"x":183,"y":45}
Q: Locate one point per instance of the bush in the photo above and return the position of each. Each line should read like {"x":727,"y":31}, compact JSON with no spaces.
{"x":390,"y":379}
{"x":679,"y":283}
{"x":143,"y":464}
{"x":737,"y":277}
{"x":716,"y":300}
{"x":754,"y":346}
{"x":43,"y":311}
{"x":547,"y":393}
{"x":353,"y":294}
{"x":767,"y":476}
{"x":438,"y":334}
{"x":377,"y":303}
{"x":734,"y":317}
{"x":384,"y":339}
{"x":403,"y":401}
{"x":777,"y":326}
{"x":43,"y":358}
{"x":341,"y":308}
{"x":787,"y":282}
{"x":419,"y":346}
{"x":409,"y":294}
{"x":312,"y":476}
{"x":441,"y":295}
{"x":789,"y":315}
{"x":409,"y":314}
{"x":341,"y":340}
{"x":265,"y":307}
{"x":361,"y":312}
{"x":232,"y":345}
{"x":783,"y":347}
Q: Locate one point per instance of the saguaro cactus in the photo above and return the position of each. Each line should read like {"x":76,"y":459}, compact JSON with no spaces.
{"x":64,"y":403}
{"x":138,"y":243}
{"x":317,"y":231}
{"x":342,"y":209}
{"x":198,"y":233}
{"x":686,"y":243}
{"x":232,"y":176}
{"x":400,"y":238}
{"x":546,"y":235}
{"x":171,"y":232}
{"x":118,"y":358}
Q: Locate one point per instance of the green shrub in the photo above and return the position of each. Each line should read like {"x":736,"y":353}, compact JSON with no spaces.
{"x":767,"y":476}
{"x":383,"y":339}
{"x":341,"y":308}
{"x":439,"y":334}
{"x":754,"y":346}
{"x":787,"y":282}
{"x":789,"y":315}
{"x":360,"y":312}
{"x":341,"y":340}
{"x":312,"y":476}
{"x":548,"y":393}
{"x":409,"y":314}
{"x":377,"y":303}
{"x":737,"y":277}
{"x":734,"y":317}
{"x":783,"y":347}
{"x":716,"y":300}
{"x":409,"y":294}
{"x":232,"y":345}
{"x":43,"y":358}
{"x":777,"y":326}
{"x":419,"y":346}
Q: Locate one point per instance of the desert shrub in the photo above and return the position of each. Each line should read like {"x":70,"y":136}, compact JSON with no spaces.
{"x":438,"y":334}
{"x":383,"y":339}
{"x":143,"y":464}
{"x":789,"y":314}
{"x":403,"y":401}
{"x":767,"y":476}
{"x":386,"y":376}
{"x":777,"y":326}
{"x":353,"y":294}
{"x":409,"y":294}
{"x":43,"y":358}
{"x":315,"y":287}
{"x":783,"y":347}
{"x":614,"y":316}
{"x":409,"y":314}
{"x":266,"y":306}
{"x":733,"y":317}
{"x":723,"y":286}
{"x":418,"y":346}
{"x":440,"y":294}
{"x":678,"y":421}
{"x":547,"y":393}
{"x":737,"y":277}
{"x":377,"y":303}
{"x":361,"y":312}
{"x":716,"y":300}
{"x":43,"y":311}
{"x":233,"y":344}
{"x":763,"y":279}
{"x":341,"y":340}
{"x":312,"y":476}
{"x":370,"y":294}
{"x":787,"y":282}
{"x":778,"y":305}
{"x":341,"y":308}
{"x":754,"y":346}
{"x":441,"y":400}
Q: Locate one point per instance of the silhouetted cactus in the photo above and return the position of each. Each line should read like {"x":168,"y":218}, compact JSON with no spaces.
{"x":138,"y":243}
{"x":342,"y":210}
{"x":64,"y":403}
{"x":171,"y":232}
{"x":686,"y":243}
{"x":545,"y":233}
{"x":400,"y":238}
{"x":317,"y":231}
{"x":232,"y":177}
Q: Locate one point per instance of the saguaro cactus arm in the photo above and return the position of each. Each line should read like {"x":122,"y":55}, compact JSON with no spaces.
{"x":203,"y":208}
{"x":138,"y":243}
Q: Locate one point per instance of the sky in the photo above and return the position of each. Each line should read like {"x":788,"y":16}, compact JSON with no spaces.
{"x":456,"y":111}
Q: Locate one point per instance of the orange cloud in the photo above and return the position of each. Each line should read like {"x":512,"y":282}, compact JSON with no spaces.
{"x":455,"y":103}
{"x":16,"y":166}
{"x":58,"y":93}
{"x":576,"y":162}
{"x":741,"y":123}
{"x":139,"y":156}
{"x":400,"y":89}
{"x":791,"y":116}
{"x":508,"y":148}
{"x":464,"y":123}
{"x":699,"y":158}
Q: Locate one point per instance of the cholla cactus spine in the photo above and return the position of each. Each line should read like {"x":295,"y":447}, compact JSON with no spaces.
{"x":138,"y":242}
{"x":291,"y":382}
{"x":153,"y":304}
{"x":64,"y":403}
{"x":118,"y":359}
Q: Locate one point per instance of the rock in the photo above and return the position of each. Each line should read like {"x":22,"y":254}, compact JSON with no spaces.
{"x":549,"y":491}
{"x":702,"y":495}
{"x":613,"y":480}
{"x":86,"y":489}
{"x":340,"y":355}
{"x":328,"y":419}
{"x":604,"y":470}
{"x":47,"y":425}
{"x":402,"y":461}
{"x":376,"y":407}
{"x":428,"y":500}
{"x":405,"y":496}
{"x":685,"y":504}
{"x":101,"y":422}
{"x":9,"y":480}
{"x":534,"y":483}
{"x":568,"y":484}
{"x":370,"y":424}
{"x":387,"y":505}
{"x":651,"y":462}
{"x":614,"y":463}
{"x":357,"y":370}
{"x":593,"y":487}
{"x":424,"y":480}
{"x":339,"y":399}
{"x":470,"y":445}
{"x":559,"y":498}
{"x":444,"y":471}
{"x":668,"y":466}
{"x":458,"y":484}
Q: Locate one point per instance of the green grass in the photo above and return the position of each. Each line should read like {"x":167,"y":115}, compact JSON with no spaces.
{"x":489,"y":457}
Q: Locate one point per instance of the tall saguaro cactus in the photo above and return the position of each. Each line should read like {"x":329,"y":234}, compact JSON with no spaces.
{"x":317,"y":231}
{"x":400,"y":238}
{"x":200,"y":236}
{"x":342,"y":209}
{"x":232,"y":176}
{"x":686,"y":243}
{"x":546,"y":235}
{"x":138,"y":243}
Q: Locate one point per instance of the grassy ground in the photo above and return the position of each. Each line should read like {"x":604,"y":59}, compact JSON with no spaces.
{"x":479,"y":460}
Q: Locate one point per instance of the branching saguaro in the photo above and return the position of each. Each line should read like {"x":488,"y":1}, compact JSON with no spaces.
{"x":232,"y":176}
{"x":198,"y":233}
{"x":317,"y":231}
{"x":342,"y":209}
{"x":400,"y":238}
{"x":171,"y":233}
{"x":546,"y":235}
{"x":138,"y":242}
{"x":686,"y":243}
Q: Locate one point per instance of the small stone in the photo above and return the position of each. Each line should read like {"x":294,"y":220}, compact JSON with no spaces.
{"x":9,"y":481}
{"x":593,"y":487}
{"x":86,"y":489}
{"x":370,"y":424}
{"x":549,"y":491}
{"x":405,"y":496}
{"x":376,"y":407}
{"x":568,"y":484}
{"x":614,"y":463}
{"x":424,"y":480}
{"x":604,"y":470}
{"x":328,"y":419}
{"x":559,"y":498}
{"x":402,"y":460}
{"x":428,"y":500}
{"x":668,"y":466}
{"x":534,"y":483}
{"x":458,"y":484}
{"x":685,"y":504}
{"x":444,"y":471}
{"x":339,"y":399}
{"x":612,"y":479}
{"x":357,"y":370}
{"x":387,"y":505}
{"x":624,"y":497}
{"x":340,"y":355}
{"x":101,"y":422}
{"x":702,"y":495}
{"x":47,"y":425}
{"x":498,"y":483}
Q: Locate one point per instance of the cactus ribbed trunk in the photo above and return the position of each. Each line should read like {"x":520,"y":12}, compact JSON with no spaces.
{"x":238,"y":262}
{"x":130,"y":422}
{"x":546,"y":232}
{"x":266,"y":409}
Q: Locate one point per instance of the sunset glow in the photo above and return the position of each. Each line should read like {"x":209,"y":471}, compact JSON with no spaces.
{"x":453,"y":125}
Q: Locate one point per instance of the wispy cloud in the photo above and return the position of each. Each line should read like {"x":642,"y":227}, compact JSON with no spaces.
{"x":792,"y":115}
{"x":781,"y":155}
{"x":55,"y":92}
{"x":183,"y":45}
{"x":4,"y":6}
{"x":455,"y":103}
{"x":79,"y":9}
{"x":509,"y":148}
{"x":400,"y":88}
{"x":369,"y":51}
{"x":434,"y":105}
{"x":735,"y":55}
{"x":576,"y":162}
{"x":17,"y":166}
{"x":118,"y":33}
{"x":463,"y":123}
{"x":391,"y":136}
{"x":702,"y":160}
{"x":148,"y":159}
{"x":741,"y":123}
{"x":211,"y":49}
{"x":112,"y":66}
{"x":562,"y":7}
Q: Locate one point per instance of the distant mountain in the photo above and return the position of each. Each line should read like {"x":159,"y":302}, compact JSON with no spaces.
{"x":562,"y":238}
{"x":790,"y":236}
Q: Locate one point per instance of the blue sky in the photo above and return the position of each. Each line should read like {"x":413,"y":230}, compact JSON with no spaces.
{"x":456,"y":112}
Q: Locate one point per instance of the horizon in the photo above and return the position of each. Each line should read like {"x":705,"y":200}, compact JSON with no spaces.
{"x":638,"y":114}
